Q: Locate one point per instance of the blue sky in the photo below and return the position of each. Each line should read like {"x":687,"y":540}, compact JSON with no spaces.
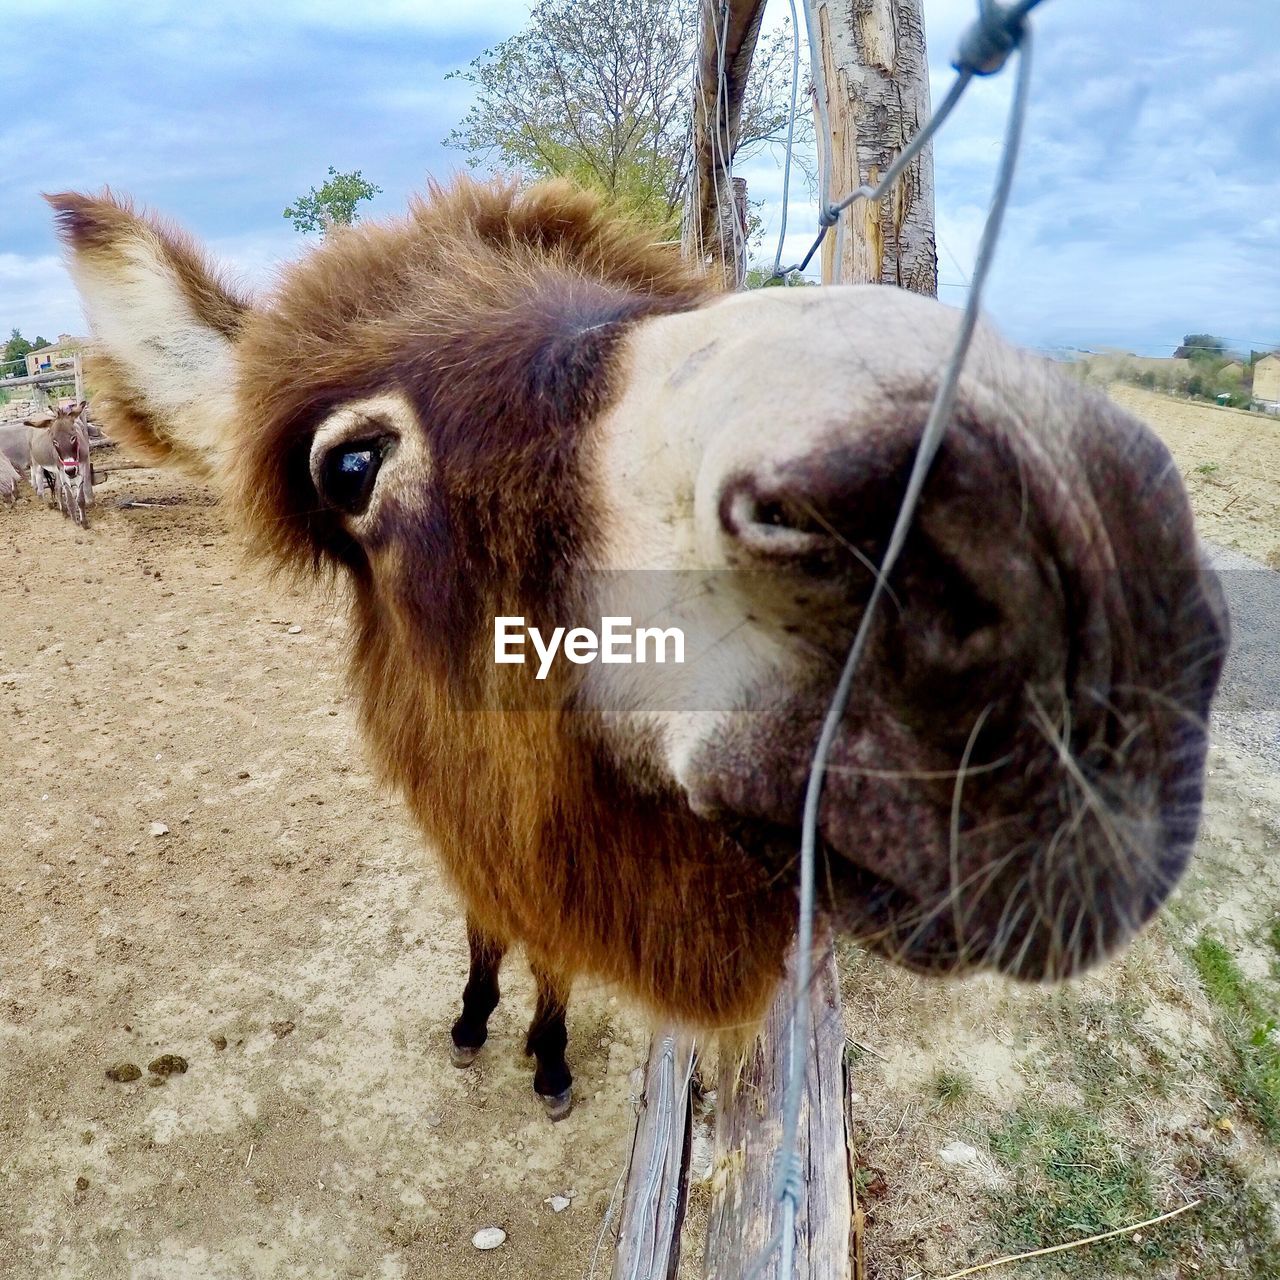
{"x":1147,"y":203}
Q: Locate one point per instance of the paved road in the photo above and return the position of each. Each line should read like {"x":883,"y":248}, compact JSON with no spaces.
{"x":1247,"y":712}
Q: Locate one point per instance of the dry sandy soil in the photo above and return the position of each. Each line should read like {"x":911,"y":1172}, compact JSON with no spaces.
{"x":146,"y":676}
{"x":290,"y":939}
{"x":1231,"y":462}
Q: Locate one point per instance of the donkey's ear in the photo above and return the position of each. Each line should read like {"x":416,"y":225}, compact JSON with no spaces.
{"x":165,"y":329}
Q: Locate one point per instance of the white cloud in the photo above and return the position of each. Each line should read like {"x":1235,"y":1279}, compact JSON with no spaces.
{"x":38,"y":296}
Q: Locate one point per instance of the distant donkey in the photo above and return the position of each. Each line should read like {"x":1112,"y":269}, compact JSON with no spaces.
{"x":59,"y":459}
{"x":8,"y":481}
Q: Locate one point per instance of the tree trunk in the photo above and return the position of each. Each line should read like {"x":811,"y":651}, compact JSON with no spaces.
{"x":875,"y":75}
{"x":715,"y":215}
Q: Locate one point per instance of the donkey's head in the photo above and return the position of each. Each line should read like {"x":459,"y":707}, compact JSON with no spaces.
{"x":513,"y":404}
{"x":64,"y":426}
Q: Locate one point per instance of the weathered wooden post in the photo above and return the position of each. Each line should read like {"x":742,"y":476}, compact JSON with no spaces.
{"x":873,"y":75}
{"x":745,"y":1214}
{"x":653,"y":1202}
{"x":78,"y":365}
{"x":715,"y":215}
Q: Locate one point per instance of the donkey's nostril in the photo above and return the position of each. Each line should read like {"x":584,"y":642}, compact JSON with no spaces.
{"x":770,"y":526}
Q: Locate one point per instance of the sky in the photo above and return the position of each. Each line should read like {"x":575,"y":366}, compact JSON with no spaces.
{"x":1147,"y":201}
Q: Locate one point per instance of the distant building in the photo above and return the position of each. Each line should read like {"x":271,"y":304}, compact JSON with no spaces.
{"x":57,"y":355}
{"x":1266,"y":383}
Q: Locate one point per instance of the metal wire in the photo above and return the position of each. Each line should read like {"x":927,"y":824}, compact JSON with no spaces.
{"x":791,"y":134}
{"x":984,"y":49}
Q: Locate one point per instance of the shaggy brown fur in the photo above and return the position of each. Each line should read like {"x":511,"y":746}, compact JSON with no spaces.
{"x":1049,"y":600}
{"x":497,"y":311}
{"x":97,"y":226}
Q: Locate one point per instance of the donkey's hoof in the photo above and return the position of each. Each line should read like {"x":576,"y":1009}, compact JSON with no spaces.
{"x":463,"y":1055}
{"x":557,"y":1105}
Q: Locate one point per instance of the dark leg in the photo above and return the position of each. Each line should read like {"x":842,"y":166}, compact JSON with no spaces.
{"x":479,"y":996}
{"x":546,"y":1043}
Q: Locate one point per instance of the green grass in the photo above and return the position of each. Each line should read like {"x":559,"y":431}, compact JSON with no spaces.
{"x":1249,"y":1025}
{"x":1220,"y":976}
{"x":1207,"y":468}
{"x":950,"y":1088}
{"x":1070,"y":1178}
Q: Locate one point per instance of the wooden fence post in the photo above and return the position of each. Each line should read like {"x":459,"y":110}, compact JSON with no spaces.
{"x":657,"y":1177}
{"x":745,"y":1214}
{"x":875,"y":72}
{"x":715,"y":209}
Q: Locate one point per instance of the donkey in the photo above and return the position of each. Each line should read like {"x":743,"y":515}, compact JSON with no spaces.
{"x":511,"y":403}
{"x":8,"y":481}
{"x":59,"y":459}
{"x":15,"y":445}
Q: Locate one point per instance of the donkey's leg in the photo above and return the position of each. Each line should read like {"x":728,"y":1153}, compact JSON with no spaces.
{"x":546,"y":1042}
{"x":479,"y":996}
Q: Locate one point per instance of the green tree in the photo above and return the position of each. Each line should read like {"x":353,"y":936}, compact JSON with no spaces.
{"x":1202,"y":345}
{"x":16,"y":349}
{"x":760,"y":276}
{"x":600,"y":91}
{"x":334,"y":204}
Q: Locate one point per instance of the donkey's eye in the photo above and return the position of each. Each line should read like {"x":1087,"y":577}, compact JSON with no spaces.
{"x":348,"y":475}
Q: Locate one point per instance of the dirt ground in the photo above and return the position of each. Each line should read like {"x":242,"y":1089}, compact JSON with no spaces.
{"x":289,"y":938}
{"x":1231,"y":463}
{"x":289,"y":911}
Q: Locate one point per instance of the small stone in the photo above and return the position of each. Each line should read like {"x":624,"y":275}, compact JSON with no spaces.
{"x":282,"y":1029}
{"x":159,"y":829}
{"x":82,"y":1183}
{"x":244,"y":773}
{"x":297,"y":631}
{"x":218,"y":1042}
{"x":488,"y":1238}
{"x":1225,"y":1126}
{"x":958,"y":1153}
{"x":124,"y":1072}
{"x":167,"y":1064}
{"x":558,"y":1203}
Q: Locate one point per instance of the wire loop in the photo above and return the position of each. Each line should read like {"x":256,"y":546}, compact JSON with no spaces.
{"x":987,"y":43}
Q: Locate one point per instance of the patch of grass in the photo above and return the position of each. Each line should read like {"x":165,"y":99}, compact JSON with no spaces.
{"x":950,"y":1088}
{"x":1249,"y":1027}
{"x":1220,"y":976}
{"x":1207,"y":468}
{"x":1070,"y":1178}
